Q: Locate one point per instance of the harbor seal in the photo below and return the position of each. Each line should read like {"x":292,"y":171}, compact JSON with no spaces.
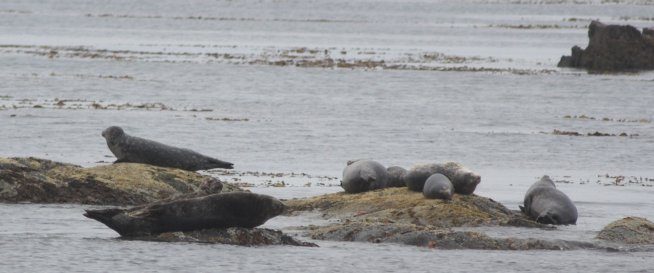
{"x":222,"y":210}
{"x":396,"y":176}
{"x":128,"y":148}
{"x":463,"y":180}
{"x":364,"y":175}
{"x":438,"y":186}
{"x":547,"y":205}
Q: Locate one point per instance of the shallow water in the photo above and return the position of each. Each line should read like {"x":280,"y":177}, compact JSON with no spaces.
{"x":228,"y":79}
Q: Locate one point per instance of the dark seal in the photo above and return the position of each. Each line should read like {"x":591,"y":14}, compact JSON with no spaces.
{"x":438,"y":186}
{"x":128,"y":148}
{"x":547,"y":205}
{"x":364,"y":175}
{"x":223,"y":210}
{"x":396,"y":176}
{"x":463,"y":180}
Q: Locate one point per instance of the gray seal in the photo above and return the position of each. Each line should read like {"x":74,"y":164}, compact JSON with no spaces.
{"x":463,"y":180}
{"x":223,"y":210}
{"x":396,"y":176}
{"x":364,"y":175}
{"x":547,"y":205}
{"x":438,"y":186}
{"x":128,"y":148}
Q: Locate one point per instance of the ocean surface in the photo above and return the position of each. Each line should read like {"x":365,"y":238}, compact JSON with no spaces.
{"x":290,"y":90}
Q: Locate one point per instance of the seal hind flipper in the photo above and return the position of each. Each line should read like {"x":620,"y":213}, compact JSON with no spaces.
{"x":523,"y":209}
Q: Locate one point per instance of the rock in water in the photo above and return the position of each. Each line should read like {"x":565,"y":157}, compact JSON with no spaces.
{"x":546,"y":204}
{"x":396,"y":176}
{"x":438,"y":186}
{"x":629,"y":230}
{"x":127,"y":148}
{"x":463,"y":180}
{"x":364,"y":175}
{"x":234,"y":209}
{"x":613,"y":48}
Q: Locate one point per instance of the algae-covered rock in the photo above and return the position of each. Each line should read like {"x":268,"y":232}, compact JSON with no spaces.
{"x":233,"y":236}
{"x":45,"y":181}
{"x":400,"y":205}
{"x":629,"y":230}
{"x":428,"y":236}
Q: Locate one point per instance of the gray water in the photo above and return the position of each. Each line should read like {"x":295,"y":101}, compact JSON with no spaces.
{"x":198,"y":74}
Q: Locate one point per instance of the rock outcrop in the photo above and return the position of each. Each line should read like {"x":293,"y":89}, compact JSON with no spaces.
{"x":613,"y":48}
{"x":629,"y":230}
{"x":44,"y":181}
{"x":398,"y":215}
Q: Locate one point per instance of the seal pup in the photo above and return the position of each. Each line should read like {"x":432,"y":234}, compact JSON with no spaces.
{"x":463,"y":180}
{"x":128,"y":148}
{"x":223,"y":210}
{"x":438,"y":186}
{"x":547,"y":205}
{"x":396,"y":176}
{"x":364,"y":175}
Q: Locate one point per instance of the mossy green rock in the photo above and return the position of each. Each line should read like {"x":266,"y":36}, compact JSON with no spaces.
{"x":44,"y":181}
{"x":629,"y":230}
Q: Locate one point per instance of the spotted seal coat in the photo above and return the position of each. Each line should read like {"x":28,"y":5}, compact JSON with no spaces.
{"x":128,"y":148}
{"x":222,"y":210}
{"x":364,"y":175}
{"x":548,"y":205}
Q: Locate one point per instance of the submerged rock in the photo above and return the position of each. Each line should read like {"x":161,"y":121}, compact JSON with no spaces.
{"x":44,"y":181}
{"x":613,"y":48}
{"x":629,"y":230}
{"x":232,"y":236}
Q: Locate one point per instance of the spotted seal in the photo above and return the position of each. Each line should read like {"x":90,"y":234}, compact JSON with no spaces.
{"x":463,"y":180}
{"x":546,"y":204}
{"x":364,"y":175}
{"x":438,"y":186}
{"x":128,"y":148}
{"x":222,"y":210}
{"x":396,"y":176}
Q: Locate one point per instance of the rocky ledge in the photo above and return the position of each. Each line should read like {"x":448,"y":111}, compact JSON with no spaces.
{"x":397,"y":215}
{"x":613,"y":48}
{"x":629,"y":230}
{"x":232,"y":236}
{"x":44,"y":181}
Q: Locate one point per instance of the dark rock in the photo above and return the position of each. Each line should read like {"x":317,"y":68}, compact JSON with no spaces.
{"x":629,"y":230}
{"x":613,"y":48}
{"x":435,"y":237}
{"x":232,"y":236}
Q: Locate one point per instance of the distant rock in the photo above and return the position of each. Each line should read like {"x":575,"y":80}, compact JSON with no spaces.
{"x":613,"y":48}
{"x":44,"y":181}
{"x":629,"y":230}
{"x":233,"y":236}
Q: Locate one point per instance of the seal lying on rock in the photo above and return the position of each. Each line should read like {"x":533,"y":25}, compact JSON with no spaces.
{"x":463,"y":180}
{"x":139,"y":150}
{"x":233,"y":209}
{"x":546,"y":204}
{"x":396,"y":176}
{"x":438,"y":186}
{"x":364,"y":175}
